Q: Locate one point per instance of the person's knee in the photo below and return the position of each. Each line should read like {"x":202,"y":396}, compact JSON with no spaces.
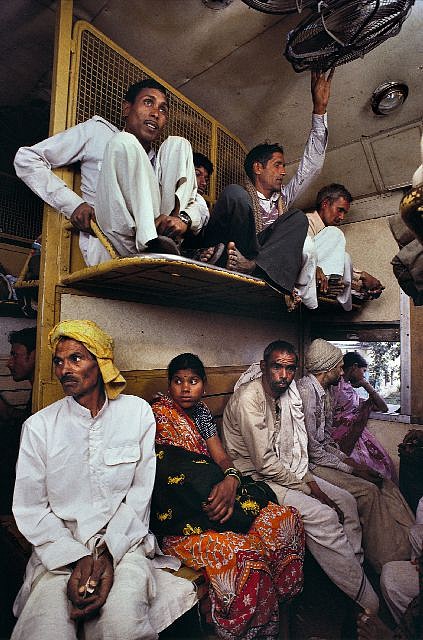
{"x":372,"y":491}
{"x":333,"y":235}
{"x":347,"y":502}
{"x":51,"y":584}
{"x":321,"y":515}
{"x":309,"y":251}
{"x":125,"y":621}
{"x":235,"y":193}
{"x":123,"y":140}
{"x":234,"y":199}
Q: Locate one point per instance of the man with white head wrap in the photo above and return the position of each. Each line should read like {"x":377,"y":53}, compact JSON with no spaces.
{"x":264,"y":433}
{"x":83,"y":490}
{"x":384,"y":514}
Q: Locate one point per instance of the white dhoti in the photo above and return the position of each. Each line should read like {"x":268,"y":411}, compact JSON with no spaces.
{"x":337,"y":548}
{"x":326,"y":250}
{"x":399,"y":581}
{"x":142,"y":602}
{"x":131,"y":194}
{"x":306,"y":279}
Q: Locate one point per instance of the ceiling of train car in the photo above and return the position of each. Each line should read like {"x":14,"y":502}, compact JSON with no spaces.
{"x":228,"y":61}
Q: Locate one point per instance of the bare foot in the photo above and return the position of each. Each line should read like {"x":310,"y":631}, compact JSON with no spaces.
{"x":204,"y":255}
{"x":370,"y":627}
{"x":237,"y":262}
{"x":210,"y":254}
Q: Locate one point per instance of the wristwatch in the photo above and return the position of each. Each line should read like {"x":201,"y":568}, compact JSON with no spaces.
{"x":182,"y":215}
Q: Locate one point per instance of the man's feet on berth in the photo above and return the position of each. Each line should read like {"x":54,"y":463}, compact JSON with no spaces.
{"x":237,"y":262}
{"x":210,"y":255}
{"x":370,"y":627}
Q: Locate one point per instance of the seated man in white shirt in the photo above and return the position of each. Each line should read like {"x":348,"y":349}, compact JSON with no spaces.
{"x":261,"y":234}
{"x":135,"y":195}
{"x":264,"y":434}
{"x":335,"y":273}
{"x":84,"y":481}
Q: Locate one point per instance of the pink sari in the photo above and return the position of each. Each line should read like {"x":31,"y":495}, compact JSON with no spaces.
{"x":352,"y":411}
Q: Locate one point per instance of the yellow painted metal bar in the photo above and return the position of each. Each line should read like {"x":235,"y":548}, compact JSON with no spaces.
{"x":55,"y":243}
{"x":120,"y":263}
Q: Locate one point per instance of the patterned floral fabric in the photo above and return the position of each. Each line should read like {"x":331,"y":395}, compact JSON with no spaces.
{"x":248,"y":574}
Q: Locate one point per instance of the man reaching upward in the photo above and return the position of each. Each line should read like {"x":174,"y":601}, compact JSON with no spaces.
{"x":263,"y":236}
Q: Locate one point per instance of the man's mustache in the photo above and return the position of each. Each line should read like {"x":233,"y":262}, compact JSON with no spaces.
{"x":67,"y":378}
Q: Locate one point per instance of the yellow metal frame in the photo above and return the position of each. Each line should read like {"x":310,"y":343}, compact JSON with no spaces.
{"x":59,"y":247}
{"x":55,"y":240}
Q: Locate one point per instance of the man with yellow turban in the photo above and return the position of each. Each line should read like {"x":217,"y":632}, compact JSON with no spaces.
{"x":84,"y":481}
{"x":384,"y":514}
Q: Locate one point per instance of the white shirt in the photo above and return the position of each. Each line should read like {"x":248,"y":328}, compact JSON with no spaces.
{"x":203,"y":212}
{"x":78,"y":476}
{"x":312,"y":161}
{"x":310,"y":166}
{"x":84,"y":143}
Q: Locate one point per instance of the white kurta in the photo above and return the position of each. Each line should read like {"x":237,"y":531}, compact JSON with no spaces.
{"x":269,"y":451}
{"x":86,"y":143}
{"x":80,"y":479}
{"x":329,"y":246}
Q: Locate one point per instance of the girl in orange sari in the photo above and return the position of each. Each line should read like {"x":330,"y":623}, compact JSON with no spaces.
{"x":248,"y":574}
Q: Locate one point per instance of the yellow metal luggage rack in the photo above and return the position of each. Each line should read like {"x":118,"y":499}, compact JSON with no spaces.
{"x":91,"y":75}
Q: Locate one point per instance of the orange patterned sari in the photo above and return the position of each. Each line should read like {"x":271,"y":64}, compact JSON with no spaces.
{"x":248,"y":574}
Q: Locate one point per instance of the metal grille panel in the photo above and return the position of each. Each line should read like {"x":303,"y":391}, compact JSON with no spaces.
{"x":230,"y":169}
{"x":105,"y":74}
{"x":21,"y":211}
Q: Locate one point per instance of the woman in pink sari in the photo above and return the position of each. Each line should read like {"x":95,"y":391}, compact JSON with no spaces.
{"x":350,"y":415}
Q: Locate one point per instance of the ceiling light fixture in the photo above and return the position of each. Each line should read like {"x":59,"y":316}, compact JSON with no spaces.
{"x":388,"y":97}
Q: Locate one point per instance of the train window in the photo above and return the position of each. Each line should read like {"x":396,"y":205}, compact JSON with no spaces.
{"x":383,"y":368}
{"x":386,"y":348}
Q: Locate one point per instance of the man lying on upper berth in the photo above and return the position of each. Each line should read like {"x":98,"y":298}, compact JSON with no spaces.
{"x":335,"y":273}
{"x":143,"y":202}
{"x":249,"y":221}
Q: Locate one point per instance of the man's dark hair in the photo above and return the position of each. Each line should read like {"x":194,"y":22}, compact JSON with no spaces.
{"x":279,"y":345}
{"x":262,"y":153}
{"x":27,"y":337}
{"x":186,"y":361}
{"x":353,"y":357}
{"x":200,"y":160}
{"x":148,"y":83}
{"x":332,"y":192}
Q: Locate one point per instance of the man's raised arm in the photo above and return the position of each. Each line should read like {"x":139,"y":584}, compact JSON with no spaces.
{"x":314,"y":153}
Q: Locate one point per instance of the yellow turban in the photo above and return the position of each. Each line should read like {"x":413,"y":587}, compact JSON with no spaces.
{"x":99,"y":343}
{"x":322,"y":356}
